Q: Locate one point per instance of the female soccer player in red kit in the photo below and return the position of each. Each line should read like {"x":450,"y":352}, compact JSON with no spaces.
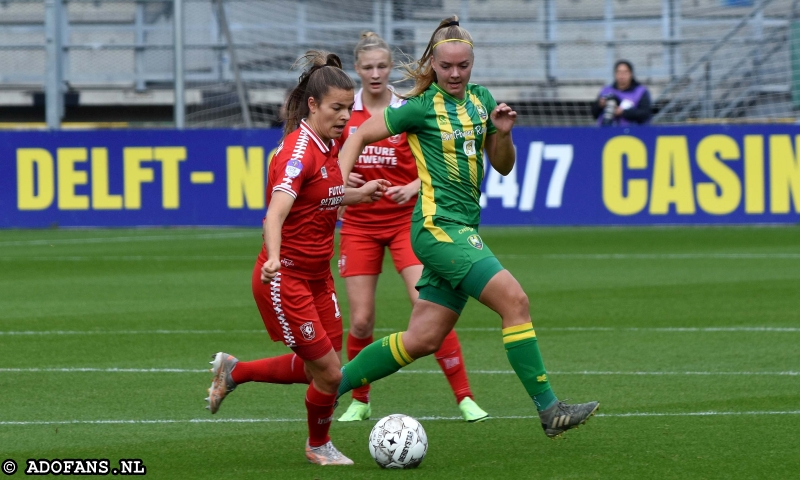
{"x":368,"y":230}
{"x":292,"y":282}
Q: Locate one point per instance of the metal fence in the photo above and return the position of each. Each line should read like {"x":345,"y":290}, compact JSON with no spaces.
{"x":720,"y":60}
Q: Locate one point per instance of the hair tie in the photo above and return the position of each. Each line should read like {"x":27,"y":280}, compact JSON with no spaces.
{"x":453,"y":23}
{"x":307,"y":74}
{"x":452,"y":40}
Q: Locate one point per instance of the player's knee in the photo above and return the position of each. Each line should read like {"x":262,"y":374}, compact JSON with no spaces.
{"x":309,"y":373}
{"x":330,"y":378}
{"x":421,"y":346}
{"x":362,"y":326}
{"x":518,"y":303}
{"x":433,"y":345}
{"x":335,"y":377}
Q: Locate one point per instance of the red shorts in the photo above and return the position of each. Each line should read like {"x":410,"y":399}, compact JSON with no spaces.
{"x":303,"y":314}
{"x":361,"y":253}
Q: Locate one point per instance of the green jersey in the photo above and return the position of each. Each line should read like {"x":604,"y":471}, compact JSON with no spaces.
{"x":446,"y":136}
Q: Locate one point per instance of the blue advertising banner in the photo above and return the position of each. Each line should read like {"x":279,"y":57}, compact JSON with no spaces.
{"x":134,"y":177}
{"x":563,"y":176}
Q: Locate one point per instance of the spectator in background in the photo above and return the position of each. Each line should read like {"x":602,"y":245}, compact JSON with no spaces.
{"x":625,"y":102}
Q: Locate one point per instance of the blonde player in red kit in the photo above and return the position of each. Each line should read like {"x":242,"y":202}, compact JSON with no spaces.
{"x":367,"y":230}
{"x":292,"y":281}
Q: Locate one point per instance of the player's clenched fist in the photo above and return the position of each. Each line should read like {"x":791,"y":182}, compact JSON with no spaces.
{"x":374,"y":190}
{"x":269,"y":270}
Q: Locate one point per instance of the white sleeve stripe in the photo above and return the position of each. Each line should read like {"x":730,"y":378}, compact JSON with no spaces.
{"x":285,"y":190}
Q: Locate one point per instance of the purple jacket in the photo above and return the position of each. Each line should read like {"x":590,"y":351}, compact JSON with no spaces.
{"x":636,"y":97}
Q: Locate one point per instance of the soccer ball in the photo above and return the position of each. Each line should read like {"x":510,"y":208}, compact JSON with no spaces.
{"x":398,"y":441}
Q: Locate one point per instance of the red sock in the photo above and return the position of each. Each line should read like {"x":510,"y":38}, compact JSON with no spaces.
{"x":284,"y":369}
{"x":452,"y":363}
{"x":355,"y":345}
{"x":320,"y":413}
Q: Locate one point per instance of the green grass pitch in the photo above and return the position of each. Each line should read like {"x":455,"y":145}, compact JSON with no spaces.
{"x":689,"y":338}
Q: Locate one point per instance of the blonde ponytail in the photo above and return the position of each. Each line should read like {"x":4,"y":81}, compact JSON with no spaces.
{"x":421,"y":70}
{"x":371,"y":41}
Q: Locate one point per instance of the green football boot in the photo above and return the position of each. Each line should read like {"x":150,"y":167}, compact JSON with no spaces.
{"x":356,"y":411}
{"x":471,"y":412}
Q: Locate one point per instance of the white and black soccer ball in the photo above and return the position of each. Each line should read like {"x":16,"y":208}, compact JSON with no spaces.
{"x":398,"y":441}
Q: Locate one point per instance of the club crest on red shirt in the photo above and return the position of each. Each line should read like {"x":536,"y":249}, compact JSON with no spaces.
{"x":307,"y":330}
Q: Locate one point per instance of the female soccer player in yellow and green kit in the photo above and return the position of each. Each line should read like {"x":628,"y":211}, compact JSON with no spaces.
{"x":449,"y":123}
{"x":367,"y":232}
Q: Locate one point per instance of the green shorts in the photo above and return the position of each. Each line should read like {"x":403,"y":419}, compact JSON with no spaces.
{"x":457,"y":264}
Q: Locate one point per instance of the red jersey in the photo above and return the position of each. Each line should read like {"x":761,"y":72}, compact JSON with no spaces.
{"x":390,"y":159}
{"x":308,"y":170}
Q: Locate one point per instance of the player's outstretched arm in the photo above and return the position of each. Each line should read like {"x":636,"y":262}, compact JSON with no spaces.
{"x":500,"y":146}
{"x":277,"y":211}
{"x":371,"y":131}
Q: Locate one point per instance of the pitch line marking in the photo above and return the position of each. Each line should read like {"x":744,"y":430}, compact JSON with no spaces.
{"x":634,"y":329}
{"x":657,"y":256}
{"x":632,"y":373}
{"x":127,"y":258}
{"x":458,"y":329}
{"x":422,"y":418}
{"x":103,"y":370}
{"x":128,"y":332}
{"x":407,"y":372}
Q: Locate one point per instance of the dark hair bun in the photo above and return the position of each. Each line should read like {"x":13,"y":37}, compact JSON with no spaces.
{"x":333,"y":60}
